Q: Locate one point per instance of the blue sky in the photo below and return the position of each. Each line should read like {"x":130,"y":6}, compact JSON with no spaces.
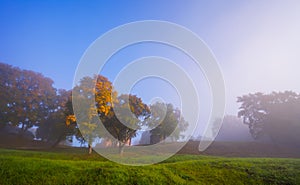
{"x":255,"y":42}
{"x":50,"y":37}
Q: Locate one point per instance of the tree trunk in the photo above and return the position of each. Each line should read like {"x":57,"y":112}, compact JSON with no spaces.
{"x":90,"y":149}
{"x":56,"y":142}
{"x":59,"y":139}
{"x":121,"y":148}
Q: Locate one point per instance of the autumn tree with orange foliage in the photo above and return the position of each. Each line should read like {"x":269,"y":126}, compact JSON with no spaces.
{"x":121,"y":115}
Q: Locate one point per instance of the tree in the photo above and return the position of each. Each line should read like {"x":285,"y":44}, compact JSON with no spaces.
{"x":87,"y":112}
{"x":232,"y":129}
{"x":276,"y":115}
{"x":54,"y":129}
{"x":165,"y":120}
{"x":7,"y":84}
{"x":125,"y":119}
{"x":121,"y":115}
{"x":27,"y":97}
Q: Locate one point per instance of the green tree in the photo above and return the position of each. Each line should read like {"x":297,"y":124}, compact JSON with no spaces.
{"x":166,"y":121}
{"x":125,"y":119}
{"x":87,"y":112}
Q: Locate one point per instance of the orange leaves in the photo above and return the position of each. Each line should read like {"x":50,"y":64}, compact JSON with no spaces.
{"x":104,"y":95}
{"x":70,"y":119}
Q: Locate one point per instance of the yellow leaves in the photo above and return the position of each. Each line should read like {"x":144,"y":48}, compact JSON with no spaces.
{"x":104,"y":109}
{"x":70,"y":119}
{"x":105,"y":96}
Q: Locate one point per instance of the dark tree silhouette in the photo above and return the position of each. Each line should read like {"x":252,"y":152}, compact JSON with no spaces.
{"x":27,"y":98}
{"x":54,"y":129}
{"x":276,"y":115}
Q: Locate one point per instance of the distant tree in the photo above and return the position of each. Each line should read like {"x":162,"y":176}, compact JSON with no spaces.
{"x":166,"y":120}
{"x":276,"y":115}
{"x":231,"y":129}
{"x":145,"y":138}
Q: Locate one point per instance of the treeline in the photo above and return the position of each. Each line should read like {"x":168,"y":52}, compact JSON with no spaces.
{"x":29,"y":99}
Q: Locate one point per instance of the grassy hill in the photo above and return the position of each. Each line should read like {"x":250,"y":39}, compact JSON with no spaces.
{"x":74,"y":166}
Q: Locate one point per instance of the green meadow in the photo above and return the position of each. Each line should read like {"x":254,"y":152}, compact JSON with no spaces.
{"x":74,"y":166}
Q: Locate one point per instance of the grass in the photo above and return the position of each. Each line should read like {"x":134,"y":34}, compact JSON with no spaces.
{"x":74,"y":166}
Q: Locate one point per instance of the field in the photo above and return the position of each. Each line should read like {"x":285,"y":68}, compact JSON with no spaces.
{"x":74,"y":166}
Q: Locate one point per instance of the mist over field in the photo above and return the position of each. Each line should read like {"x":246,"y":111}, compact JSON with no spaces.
{"x":150,"y":92}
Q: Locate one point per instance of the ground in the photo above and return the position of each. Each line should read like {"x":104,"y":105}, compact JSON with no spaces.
{"x":75,"y":166}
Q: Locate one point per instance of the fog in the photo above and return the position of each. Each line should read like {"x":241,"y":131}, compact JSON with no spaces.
{"x":233,"y":129}
{"x":257,"y":46}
